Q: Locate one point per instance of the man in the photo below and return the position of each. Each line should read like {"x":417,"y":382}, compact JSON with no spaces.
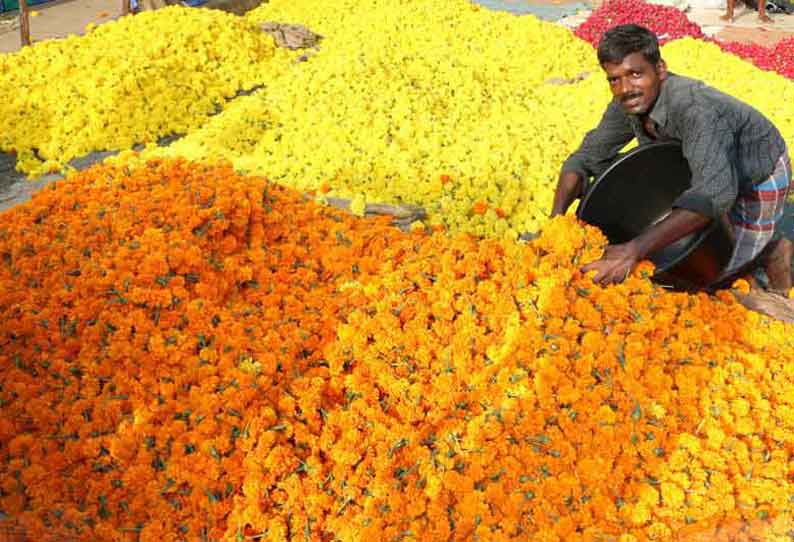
{"x":739,"y":161}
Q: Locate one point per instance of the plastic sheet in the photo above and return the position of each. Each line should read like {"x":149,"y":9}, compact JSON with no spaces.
{"x":541,"y":11}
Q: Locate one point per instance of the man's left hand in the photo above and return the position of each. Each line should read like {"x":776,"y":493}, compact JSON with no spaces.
{"x":615,"y":265}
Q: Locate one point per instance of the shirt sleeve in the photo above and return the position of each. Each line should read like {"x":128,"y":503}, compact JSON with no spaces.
{"x":602,"y":144}
{"x":708,"y":146}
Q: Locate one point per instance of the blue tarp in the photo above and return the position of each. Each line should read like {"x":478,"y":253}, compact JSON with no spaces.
{"x":522,"y":7}
{"x":13,"y":5}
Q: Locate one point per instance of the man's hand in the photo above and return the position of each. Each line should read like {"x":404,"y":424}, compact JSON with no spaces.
{"x":619,"y":260}
{"x":616,"y":263}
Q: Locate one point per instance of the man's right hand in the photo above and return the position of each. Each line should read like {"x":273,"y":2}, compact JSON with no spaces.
{"x":569,"y":187}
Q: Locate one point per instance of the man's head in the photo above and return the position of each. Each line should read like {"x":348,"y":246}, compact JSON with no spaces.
{"x":629,"y":54}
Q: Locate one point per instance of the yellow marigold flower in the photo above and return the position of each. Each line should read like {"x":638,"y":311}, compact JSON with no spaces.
{"x":640,"y":513}
{"x":714,"y":437}
{"x":672,"y":495}
{"x":656,"y":410}
{"x":649,"y":496}
{"x":740,"y":407}
{"x":659,"y":531}
{"x":358,"y":205}
{"x":690,"y":443}
{"x":741,"y":286}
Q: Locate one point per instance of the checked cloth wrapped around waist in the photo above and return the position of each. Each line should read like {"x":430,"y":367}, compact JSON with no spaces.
{"x":757,"y":216}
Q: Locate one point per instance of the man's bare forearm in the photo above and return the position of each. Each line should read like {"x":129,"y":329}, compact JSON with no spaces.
{"x":569,"y":187}
{"x":678,"y":224}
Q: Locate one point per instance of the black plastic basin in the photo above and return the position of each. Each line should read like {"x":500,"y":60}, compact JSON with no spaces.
{"x":637,"y":191}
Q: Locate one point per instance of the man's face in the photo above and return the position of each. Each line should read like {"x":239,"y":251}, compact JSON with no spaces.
{"x":635,"y":82}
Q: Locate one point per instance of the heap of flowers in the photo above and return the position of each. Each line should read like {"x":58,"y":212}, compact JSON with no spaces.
{"x":148,"y":321}
{"x":667,"y":22}
{"x":416,"y":102}
{"x":778,"y":58}
{"x":670,"y":23}
{"x":466,"y":128}
{"x":188,"y":353}
{"x":128,"y":81}
{"x":489,"y":391}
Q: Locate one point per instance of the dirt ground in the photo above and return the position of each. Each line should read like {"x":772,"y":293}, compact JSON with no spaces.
{"x":63,"y":17}
{"x":746,"y":27}
{"x":56,"y":20}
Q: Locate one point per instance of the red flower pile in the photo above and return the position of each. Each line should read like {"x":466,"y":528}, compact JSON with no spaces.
{"x":779,"y":58}
{"x":667,"y":22}
{"x":670,"y":23}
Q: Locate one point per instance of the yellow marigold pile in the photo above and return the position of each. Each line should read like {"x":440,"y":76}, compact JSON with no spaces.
{"x":125,"y":82}
{"x":462,"y":110}
{"x":466,"y":112}
{"x":187,"y":353}
{"x":434,"y":103}
{"x":769,"y":92}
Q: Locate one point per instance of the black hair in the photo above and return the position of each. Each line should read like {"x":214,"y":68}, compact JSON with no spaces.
{"x":620,"y":41}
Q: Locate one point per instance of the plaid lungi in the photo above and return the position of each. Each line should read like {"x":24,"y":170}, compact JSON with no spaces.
{"x":757,"y":216}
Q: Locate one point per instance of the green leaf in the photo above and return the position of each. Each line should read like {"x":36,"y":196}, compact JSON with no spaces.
{"x":636,"y":414}
{"x":215,"y":454}
{"x":400,"y":444}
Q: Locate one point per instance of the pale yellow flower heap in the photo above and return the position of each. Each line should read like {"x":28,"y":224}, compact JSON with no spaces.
{"x":441,"y":104}
{"x":465,"y":111}
{"x":125,"y":82}
{"x":402,"y":93}
{"x":769,"y":92}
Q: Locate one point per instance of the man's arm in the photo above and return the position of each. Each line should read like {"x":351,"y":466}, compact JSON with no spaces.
{"x":708,"y":145}
{"x":599,"y":147}
{"x":618,"y":260}
{"x":569,"y":187}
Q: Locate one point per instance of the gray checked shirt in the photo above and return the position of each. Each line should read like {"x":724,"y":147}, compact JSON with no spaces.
{"x":729,"y":145}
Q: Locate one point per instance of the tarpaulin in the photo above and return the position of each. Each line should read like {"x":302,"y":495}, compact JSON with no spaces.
{"x":12,"y":5}
{"x":547,"y":12}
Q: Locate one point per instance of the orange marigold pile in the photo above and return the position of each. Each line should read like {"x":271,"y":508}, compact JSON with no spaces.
{"x":188,"y":354}
{"x":488,"y":391}
{"x":148,"y":320}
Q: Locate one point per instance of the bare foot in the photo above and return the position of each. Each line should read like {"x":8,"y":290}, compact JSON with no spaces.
{"x":726,"y":17}
{"x":765,"y":19}
{"x":778,"y":264}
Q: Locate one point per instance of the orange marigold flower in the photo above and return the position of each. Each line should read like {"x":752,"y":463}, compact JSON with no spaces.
{"x":479,"y":208}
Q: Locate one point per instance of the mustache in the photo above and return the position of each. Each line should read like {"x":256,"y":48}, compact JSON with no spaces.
{"x":629,"y":97}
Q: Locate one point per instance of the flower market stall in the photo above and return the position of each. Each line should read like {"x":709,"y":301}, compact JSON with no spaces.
{"x":196,"y":344}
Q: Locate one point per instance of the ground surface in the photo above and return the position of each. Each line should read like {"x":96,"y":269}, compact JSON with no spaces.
{"x":58,"y":19}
